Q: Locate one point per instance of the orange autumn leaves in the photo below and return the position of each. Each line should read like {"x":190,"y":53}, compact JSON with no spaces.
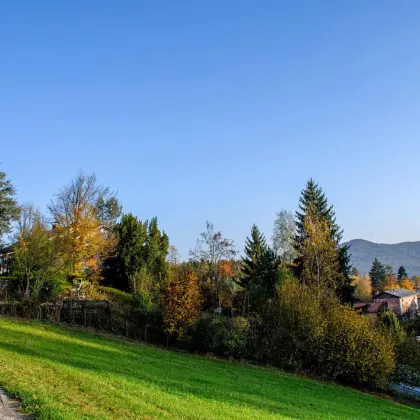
{"x":83,"y":242}
{"x":180,"y":299}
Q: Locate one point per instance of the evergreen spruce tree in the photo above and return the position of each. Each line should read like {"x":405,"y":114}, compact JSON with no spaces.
{"x":142,"y":251}
{"x":259,"y":269}
{"x":378,"y":275}
{"x":402,"y":274}
{"x":313,"y":198}
{"x":9,"y":209}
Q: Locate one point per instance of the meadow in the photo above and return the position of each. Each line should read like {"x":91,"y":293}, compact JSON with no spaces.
{"x":62,"y":373}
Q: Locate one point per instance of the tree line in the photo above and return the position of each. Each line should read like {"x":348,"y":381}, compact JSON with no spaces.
{"x":287,"y":304}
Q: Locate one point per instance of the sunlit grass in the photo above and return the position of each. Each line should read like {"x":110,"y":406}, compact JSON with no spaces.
{"x":64,"y":374}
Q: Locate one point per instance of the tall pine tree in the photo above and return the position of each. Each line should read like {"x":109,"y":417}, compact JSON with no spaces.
{"x":378,"y":275}
{"x":9,"y":209}
{"x":314,"y":200}
{"x":402,"y":274}
{"x":259,"y":269}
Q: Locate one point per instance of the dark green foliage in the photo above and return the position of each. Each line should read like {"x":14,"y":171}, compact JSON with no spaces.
{"x":259,"y":269}
{"x":345,"y":289}
{"x":312,"y":197}
{"x":108,"y":207}
{"x":390,"y":323}
{"x":323,"y":337}
{"x":389,"y":271}
{"x":157,"y":245}
{"x":220,"y":335}
{"x":378,"y":275}
{"x":354,"y":271}
{"x":402,"y":274}
{"x":408,"y":356}
{"x":9,"y":209}
{"x":132,"y":235}
{"x":113,"y":275}
{"x":141,"y":251}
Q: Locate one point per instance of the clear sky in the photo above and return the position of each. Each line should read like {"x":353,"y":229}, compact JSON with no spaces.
{"x":218,"y":110}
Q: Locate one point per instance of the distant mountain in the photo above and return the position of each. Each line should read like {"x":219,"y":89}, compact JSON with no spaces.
{"x":406,"y":254}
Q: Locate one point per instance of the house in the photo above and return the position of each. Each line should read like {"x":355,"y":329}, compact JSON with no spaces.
{"x":5,"y":259}
{"x":401,"y":301}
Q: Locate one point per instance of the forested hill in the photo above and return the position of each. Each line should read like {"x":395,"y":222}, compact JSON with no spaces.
{"x":406,"y":254}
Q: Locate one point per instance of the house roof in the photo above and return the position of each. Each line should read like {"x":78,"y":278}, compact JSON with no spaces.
{"x":400,"y":293}
{"x":6,"y":249}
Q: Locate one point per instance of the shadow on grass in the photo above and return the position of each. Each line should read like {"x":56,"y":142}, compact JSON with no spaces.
{"x":182,"y":374}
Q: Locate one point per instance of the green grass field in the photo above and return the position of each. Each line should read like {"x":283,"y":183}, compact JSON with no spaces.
{"x":60,"y":373}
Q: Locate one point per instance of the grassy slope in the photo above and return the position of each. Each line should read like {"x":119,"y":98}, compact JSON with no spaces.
{"x":66,"y":374}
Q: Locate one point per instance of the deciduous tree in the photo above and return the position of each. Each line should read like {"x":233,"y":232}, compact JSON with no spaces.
{"x":406,"y":284}
{"x":78,"y":227}
{"x":36,"y":257}
{"x":391,"y":283}
{"x":211,"y":248}
{"x":416,"y":281}
{"x":180,"y":300}
{"x":363,"y":290}
{"x":284,"y":233}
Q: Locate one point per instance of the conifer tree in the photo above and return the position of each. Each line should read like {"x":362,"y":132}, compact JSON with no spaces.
{"x":402,"y":274}
{"x":378,"y":275}
{"x":142,"y":251}
{"x":313,"y":199}
{"x":9,"y":209}
{"x":259,"y":269}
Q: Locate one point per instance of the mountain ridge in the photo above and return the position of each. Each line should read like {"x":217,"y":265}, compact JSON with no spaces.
{"x":406,"y":254}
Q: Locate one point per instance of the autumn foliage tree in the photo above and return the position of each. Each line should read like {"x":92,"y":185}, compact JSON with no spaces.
{"x":391,"y":283}
{"x":37,"y":261}
{"x":78,"y":227}
{"x":363,"y":289}
{"x":210,"y":250}
{"x":180,"y":300}
{"x":407,"y":284}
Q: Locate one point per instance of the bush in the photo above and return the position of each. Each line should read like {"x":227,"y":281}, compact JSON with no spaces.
{"x":115,"y":295}
{"x":220,"y":335}
{"x":409,"y":361}
{"x":353,"y":351}
{"x":309,"y":330}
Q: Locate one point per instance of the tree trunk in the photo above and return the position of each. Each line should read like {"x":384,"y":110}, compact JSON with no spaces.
{"x":27,"y":284}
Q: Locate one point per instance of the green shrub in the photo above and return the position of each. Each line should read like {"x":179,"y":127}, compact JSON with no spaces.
{"x":309,"y":330}
{"x":409,"y":361}
{"x":220,"y":335}
{"x":116,"y":295}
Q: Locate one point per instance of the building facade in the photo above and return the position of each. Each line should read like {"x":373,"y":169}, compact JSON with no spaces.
{"x":401,"y":301}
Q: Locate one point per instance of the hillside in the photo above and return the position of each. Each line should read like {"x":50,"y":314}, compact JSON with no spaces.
{"x":406,"y":254}
{"x":60,"y":373}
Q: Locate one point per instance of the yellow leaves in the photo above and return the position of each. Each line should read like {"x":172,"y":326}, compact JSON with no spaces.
{"x":83,"y":241}
{"x":180,"y":300}
{"x":406,"y":284}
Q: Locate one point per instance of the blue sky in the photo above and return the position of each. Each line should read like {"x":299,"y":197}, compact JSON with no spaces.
{"x":218,"y":110}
